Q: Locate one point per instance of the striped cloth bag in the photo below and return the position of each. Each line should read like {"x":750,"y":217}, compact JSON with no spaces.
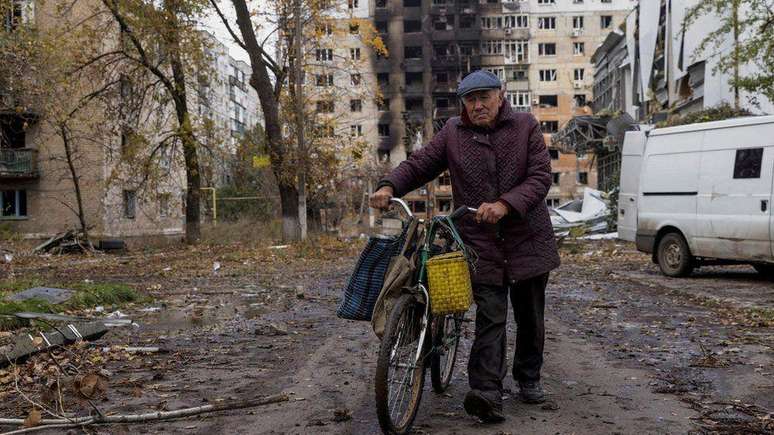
{"x":366,"y":281}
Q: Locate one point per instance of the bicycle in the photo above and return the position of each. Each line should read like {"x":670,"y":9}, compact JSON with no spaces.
{"x":405,"y":351}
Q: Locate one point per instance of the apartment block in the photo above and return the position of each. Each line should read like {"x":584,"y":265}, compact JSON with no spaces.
{"x":37,"y":194}
{"x":224,"y":98}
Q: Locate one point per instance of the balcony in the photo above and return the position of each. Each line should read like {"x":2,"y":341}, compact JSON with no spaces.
{"x":18,"y":163}
{"x":446,"y":61}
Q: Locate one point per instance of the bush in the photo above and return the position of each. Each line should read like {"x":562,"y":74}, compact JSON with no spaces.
{"x":717,"y":113}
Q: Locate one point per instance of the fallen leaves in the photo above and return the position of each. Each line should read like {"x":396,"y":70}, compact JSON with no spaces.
{"x":92,"y":386}
{"x":33,"y":418}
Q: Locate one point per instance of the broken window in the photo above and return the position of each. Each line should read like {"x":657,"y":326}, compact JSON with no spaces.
{"x":418,"y":206}
{"x":748,"y":163}
{"x":549,"y":126}
{"x":381,"y":26}
{"x":554,"y":154}
{"x":413,"y":78}
{"x":414,"y":103}
{"x":547,"y":49}
{"x":583,"y":177}
{"x":355,"y":79}
{"x":580,"y":100}
{"x":467,"y":21}
{"x":13,"y":203}
{"x":130,"y":203}
{"x":444,"y":206}
{"x":356,"y":105}
{"x":12,"y":132}
{"x":384,"y":130}
{"x":383,"y":104}
{"x":555,"y":178}
{"x":412,"y":52}
{"x":356,"y":130}
{"x":412,"y":26}
{"x":605,"y":21}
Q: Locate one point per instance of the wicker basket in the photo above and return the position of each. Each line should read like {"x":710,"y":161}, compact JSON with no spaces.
{"x":449,"y":281}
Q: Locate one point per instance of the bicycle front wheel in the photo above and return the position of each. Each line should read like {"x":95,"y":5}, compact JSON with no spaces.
{"x":446,"y":340}
{"x":399,"y":379}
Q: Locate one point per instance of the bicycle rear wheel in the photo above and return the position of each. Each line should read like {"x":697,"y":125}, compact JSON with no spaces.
{"x":446,"y":340}
{"x":399,"y":380}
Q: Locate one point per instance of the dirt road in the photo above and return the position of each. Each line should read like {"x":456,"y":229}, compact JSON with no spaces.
{"x":627,"y":351}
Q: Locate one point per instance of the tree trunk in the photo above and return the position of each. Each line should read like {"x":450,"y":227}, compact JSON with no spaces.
{"x":76,"y":182}
{"x":185,"y":132}
{"x":261,"y":82}
{"x":289,"y":201}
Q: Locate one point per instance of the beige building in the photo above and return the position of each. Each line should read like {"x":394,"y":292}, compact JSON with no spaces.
{"x":565,"y":34}
{"x":127,"y":192}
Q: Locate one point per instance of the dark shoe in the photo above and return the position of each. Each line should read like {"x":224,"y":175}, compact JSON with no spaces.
{"x":479,"y":405}
{"x":531,"y":392}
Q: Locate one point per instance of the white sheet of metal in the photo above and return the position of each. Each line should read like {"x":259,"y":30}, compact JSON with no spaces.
{"x":649,"y":15}
{"x":678,"y":8}
{"x":631,"y":44}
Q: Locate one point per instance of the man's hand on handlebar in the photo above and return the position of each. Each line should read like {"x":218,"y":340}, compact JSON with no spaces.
{"x":491,"y":212}
{"x":381,"y":198}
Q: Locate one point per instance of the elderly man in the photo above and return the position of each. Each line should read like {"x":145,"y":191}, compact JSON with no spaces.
{"x":499,"y":164}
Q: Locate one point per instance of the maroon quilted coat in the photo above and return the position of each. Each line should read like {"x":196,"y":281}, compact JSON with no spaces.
{"x":509,"y":163}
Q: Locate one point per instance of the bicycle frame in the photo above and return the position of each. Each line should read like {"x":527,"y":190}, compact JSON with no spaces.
{"x":431,"y":228}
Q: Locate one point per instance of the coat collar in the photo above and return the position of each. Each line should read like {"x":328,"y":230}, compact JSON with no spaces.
{"x":504,"y":114}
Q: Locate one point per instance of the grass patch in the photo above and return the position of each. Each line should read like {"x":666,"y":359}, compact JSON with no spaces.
{"x":87,"y":295}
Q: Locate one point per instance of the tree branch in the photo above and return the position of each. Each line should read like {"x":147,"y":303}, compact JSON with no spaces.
{"x":227,"y":24}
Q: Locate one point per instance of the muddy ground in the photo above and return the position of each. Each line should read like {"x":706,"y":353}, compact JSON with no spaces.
{"x":627,"y":350}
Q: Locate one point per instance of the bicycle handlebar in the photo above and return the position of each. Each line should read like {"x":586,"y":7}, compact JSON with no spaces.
{"x":403,"y":205}
{"x":461,"y":211}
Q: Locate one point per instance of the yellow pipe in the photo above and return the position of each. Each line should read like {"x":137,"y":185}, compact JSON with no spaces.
{"x":214,"y":196}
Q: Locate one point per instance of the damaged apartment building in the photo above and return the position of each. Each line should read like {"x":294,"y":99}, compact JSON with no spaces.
{"x":540,"y":49}
{"x":645,"y":70}
{"x":37,"y":195}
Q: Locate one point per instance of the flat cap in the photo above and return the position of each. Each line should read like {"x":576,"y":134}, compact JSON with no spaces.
{"x":477,"y":81}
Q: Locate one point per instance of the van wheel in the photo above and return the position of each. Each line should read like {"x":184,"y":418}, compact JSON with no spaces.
{"x":674,"y":257}
{"x":766,"y":270}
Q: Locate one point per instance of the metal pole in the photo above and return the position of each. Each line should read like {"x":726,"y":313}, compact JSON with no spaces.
{"x":213,"y":196}
{"x":298,"y":72}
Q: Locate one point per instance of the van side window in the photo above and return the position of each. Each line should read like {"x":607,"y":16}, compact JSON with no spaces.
{"x":748,"y":163}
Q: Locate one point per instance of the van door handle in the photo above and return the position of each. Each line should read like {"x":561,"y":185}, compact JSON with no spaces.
{"x":764,"y":204}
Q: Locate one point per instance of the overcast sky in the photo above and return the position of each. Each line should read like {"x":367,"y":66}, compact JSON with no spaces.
{"x":214,"y":25}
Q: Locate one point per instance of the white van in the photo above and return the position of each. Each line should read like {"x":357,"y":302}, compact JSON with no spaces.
{"x":700,"y":194}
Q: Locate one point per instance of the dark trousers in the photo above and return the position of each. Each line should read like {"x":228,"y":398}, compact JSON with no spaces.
{"x":487,"y":366}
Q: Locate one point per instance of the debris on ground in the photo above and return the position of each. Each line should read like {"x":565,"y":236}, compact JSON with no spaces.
{"x":70,"y":241}
{"x":27,"y":344}
{"x":48,"y":294}
{"x":582,"y":216}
